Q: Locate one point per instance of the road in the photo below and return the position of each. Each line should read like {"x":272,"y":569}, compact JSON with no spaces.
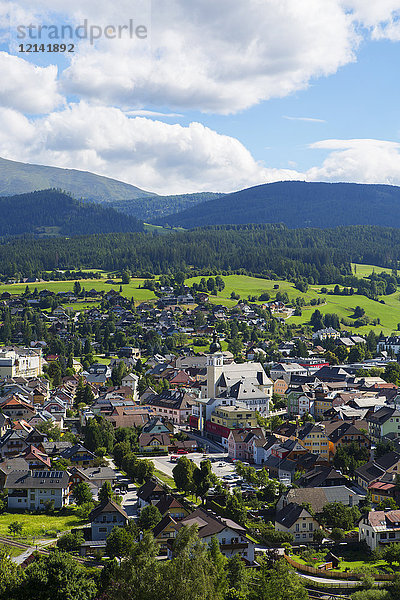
{"x":129,"y":500}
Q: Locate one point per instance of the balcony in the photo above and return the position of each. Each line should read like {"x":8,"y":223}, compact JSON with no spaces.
{"x":235,"y":546}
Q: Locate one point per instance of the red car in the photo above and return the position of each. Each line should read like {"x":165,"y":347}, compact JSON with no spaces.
{"x":182,"y":451}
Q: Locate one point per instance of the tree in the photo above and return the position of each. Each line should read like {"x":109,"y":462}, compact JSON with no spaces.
{"x":10,"y":577}
{"x":71,"y":541}
{"x":337,"y":534}
{"x":139,"y":576}
{"x":105,"y":492}
{"x":119,"y":543}
{"x":82,"y":493}
{"x":149,"y":517}
{"x":318,"y":536}
{"x":278,"y":583}
{"x":191,"y":573}
{"x":392,"y":373}
{"x":183,"y":474}
{"x":15,"y":528}
{"x":387,"y":504}
{"x":383,"y":447}
{"x":83,"y":511}
{"x":337,"y":515}
{"x":235,"y":508}
{"x":126,"y":277}
{"x":57,"y":577}
{"x":202,"y":478}
{"x":77,"y":288}
{"x":391,"y":553}
{"x":350,"y":456}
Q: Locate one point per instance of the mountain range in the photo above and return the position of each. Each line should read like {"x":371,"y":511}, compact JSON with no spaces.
{"x":296,"y":204}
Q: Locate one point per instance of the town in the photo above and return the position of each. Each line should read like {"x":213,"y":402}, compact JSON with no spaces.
{"x":271,"y":441}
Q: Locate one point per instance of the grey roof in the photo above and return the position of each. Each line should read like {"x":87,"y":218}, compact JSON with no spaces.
{"x":290,"y":513}
{"x":37,"y":479}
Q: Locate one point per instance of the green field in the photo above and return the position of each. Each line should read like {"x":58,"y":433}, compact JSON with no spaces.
{"x":130,"y":290}
{"x":38,"y":525}
{"x":245,"y":286}
{"x":343,"y":306}
{"x":365,"y":270}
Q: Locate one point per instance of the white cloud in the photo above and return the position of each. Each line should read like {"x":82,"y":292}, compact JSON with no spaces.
{"x":381,"y":17}
{"x":209,"y":57}
{"x":307,"y":119}
{"x":358,"y":160}
{"x":151,"y":154}
{"x":27,"y":87}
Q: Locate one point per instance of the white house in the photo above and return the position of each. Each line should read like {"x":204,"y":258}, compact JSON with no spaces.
{"x":380,"y":527}
{"x":30,"y":490}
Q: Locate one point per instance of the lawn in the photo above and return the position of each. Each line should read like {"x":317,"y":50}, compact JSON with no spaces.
{"x":165,"y":478}
{"x":39,"y":525}
{"x":11,"y":550}
{"x":353,"y":560}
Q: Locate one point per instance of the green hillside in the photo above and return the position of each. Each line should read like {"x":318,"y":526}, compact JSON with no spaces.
{"x":21,"y":178}
{"x":52,"y":213}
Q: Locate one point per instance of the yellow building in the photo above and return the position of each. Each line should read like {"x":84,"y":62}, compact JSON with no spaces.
{"x":314,"y":439}
{"x":233,"y":417}
{"x":320,"y":406}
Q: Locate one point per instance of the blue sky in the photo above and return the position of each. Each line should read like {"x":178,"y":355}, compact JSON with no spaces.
{"x":255,"y":91}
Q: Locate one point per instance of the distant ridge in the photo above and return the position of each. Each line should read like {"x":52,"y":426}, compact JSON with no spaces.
{"x":53,"y":213}
{"x":297,"y":204}
{"x":22,"y":178}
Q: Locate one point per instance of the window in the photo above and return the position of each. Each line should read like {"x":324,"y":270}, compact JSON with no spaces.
{"x":103,"y":529}
{"x":383,"y":536}
{"x":392,"y":536}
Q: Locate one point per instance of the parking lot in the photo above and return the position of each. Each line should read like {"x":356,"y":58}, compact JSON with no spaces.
{"x":219,"y":463}
{"x":221,"y":467}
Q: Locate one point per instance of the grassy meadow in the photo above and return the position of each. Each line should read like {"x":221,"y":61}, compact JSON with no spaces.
{"x":245,"y":286}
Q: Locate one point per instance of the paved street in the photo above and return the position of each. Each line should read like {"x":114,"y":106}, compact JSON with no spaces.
{"x":129,"y":501}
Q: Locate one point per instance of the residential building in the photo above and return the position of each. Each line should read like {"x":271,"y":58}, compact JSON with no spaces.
{"x":376,"y":469}
{"x":298,"y":521}
{"x":232,"y":537}
{"x":379,"y":528}
{"x":31,"y":490}
{"x":383,"y":421}
{"x":21,"y":362}
{"x":105,"y":517}
{"x":172,"y":405}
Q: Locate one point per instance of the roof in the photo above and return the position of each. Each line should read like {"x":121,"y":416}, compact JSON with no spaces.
{"x":149,"y":488}
{"x":69,"y":452}
{"x":208,"y":524}
{"x":161,"y":525}
{"x":107,"y":506}
{"x":317,"y":497}
{"x":167,"y":502}
{"x":173,"y":399}
{"x":147,"y":439}
{"x":290,"y":514}
{"x":37,"y":479}
{"x":383,"y":414}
